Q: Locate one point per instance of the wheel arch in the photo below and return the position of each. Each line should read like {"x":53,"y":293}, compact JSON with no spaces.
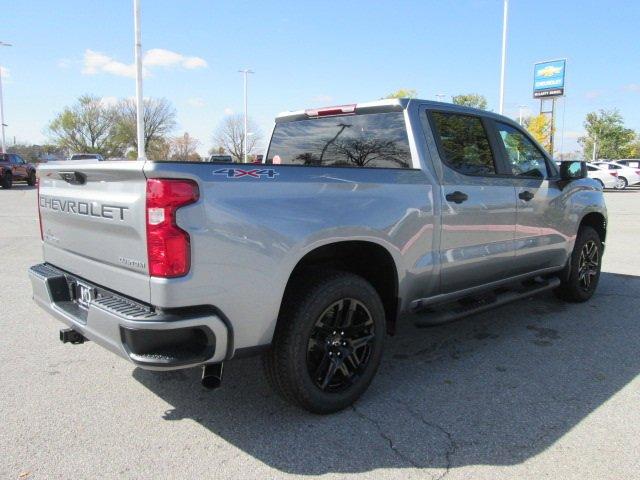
{"x":365,"y":258}
{"x":597,"y":221}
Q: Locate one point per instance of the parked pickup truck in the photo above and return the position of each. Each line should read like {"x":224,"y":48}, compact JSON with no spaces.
{"x":358,"y":215}
{"x":14,"y":168}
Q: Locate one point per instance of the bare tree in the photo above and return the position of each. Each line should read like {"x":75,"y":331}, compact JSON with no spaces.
{"x":87,"y":126}
{"x":230,"y":136}
{"x":183,"y":148}
{"x":159,"y":121}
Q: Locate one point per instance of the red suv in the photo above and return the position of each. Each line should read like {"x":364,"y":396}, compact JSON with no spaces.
{"x":13,"y":167}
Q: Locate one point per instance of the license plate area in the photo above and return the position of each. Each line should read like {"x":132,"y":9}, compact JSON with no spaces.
{"x":83,"y":294}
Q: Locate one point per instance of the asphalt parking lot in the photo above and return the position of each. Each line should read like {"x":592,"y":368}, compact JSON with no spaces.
{"x":536,"y":389}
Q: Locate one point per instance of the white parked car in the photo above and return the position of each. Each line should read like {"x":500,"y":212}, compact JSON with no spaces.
{"x":606,"y":177}
{"x":626,"y":175}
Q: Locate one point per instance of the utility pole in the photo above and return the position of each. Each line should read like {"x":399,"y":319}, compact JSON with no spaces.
{"x":595,"y":143}
{"x":520,"y":110}
{"x":505,"y":18}
{"x":139,"y":97}
{"x":2,"y":44}
{"x":245,"y":72}
{"x":440,"y":97}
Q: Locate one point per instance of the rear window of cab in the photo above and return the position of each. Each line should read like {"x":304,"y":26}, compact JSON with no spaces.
{"x":375,"y":140}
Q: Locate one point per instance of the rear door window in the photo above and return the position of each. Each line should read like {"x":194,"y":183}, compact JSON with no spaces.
{"x":375,"y":140}
{"x":464,"y":144}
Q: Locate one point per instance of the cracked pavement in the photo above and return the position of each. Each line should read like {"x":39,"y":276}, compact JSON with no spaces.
{"x":536,"y":389}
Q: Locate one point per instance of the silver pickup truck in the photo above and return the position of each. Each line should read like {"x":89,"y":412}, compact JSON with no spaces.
{"x":357,"y":215}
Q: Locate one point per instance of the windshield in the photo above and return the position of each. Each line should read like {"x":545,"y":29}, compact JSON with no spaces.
{"x":371,"y":140}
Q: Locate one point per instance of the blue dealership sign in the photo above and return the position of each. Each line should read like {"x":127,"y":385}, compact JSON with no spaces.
{"x":548,"y":78}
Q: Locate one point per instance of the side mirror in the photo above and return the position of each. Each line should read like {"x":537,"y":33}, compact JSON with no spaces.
{"x":570,"y":171}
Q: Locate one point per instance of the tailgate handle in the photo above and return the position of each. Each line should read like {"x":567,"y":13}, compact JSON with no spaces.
{"x":75,"y":178}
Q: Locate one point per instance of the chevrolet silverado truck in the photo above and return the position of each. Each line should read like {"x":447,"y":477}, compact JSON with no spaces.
{"x":358,"y":215}
{"x":13,"y":168}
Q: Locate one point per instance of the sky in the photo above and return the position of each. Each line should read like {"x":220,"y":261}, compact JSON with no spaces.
{"x":311,"y":54}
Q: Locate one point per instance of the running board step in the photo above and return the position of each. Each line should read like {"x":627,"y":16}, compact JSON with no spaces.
{"x":464,"y":307}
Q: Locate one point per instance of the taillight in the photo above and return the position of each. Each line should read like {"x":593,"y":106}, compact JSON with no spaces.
{"x":637,"y":172}
{"x":39,"y":213}
{"x":615,"y":174}
{"x":168,"y":246}
{"x":329,"y":111}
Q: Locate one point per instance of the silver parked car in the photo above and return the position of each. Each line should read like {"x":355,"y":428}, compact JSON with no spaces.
{"x":358,"y":215}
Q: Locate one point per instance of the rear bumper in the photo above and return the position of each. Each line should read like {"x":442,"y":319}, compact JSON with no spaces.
{"x":152,"y":339}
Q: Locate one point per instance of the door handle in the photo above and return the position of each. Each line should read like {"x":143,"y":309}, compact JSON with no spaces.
{"x":456,"y":197}
{"x":526,"y":196}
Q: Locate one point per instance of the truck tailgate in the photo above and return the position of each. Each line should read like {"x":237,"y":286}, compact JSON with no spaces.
{"x":93,"y":222}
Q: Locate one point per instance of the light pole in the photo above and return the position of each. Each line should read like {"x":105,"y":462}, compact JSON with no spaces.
{"x":440,"y":97}
{"x":520,"y":110}
{"x":245,"y":72}
{"x":2,"y":44}
{"x":505,"y":18}
{"x":139,"y":97}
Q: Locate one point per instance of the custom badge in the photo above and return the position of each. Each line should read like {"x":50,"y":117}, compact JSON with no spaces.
{"x":241,"y":173}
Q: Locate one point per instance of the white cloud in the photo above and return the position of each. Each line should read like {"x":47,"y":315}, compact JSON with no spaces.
{"x":197,"y":102}
{"x":159,"y":57}
{"x":64,"y":63}
{"x":228,"y":111}
{"x":97,"y":62}
{"x":194,"y":62}
{"x":632,"y":87}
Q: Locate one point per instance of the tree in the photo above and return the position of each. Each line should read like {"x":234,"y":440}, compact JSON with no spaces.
{"x":159,"y":121}
{"x":183,"y":149}
{"x":403,"y":93}
{"x":539,"y":126}
{"x":230,"y":136}
{"x":158,"y":149}
{"x":474,"y":100}
{"x":606,"y":129}
{"x":37,"y":153}
{"x":87,"y":127}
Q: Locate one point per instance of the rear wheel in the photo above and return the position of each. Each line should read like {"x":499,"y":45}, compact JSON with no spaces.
{"x":31,"y":178}
{"x":621,"y":183}
{"x":328,"y":343}
{"x":6,"y":181}
{"x":584,"y":268}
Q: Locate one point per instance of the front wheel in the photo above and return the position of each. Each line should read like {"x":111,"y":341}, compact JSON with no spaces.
{"x":6,"y":181}
{"x":328,"y":343}
{"x":584,"y":268}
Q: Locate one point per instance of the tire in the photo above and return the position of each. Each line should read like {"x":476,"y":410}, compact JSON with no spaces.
{"x":6,"y":181}
{"x":600,"y":182}
{"x":575,"y":286}
{"x":317,"y":361}
{"x":31,"y":178}
{"x":621,"y":184}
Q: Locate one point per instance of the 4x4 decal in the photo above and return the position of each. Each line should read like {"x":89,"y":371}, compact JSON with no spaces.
{"x":253,"y":173}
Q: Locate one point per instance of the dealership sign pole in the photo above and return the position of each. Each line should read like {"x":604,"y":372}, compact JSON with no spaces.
{"x":548,"y":84}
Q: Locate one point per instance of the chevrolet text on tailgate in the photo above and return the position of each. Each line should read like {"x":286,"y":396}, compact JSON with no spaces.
{"x":358,"y":215}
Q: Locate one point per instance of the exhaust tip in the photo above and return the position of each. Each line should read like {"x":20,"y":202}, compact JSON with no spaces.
{"x":212,"y":376}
